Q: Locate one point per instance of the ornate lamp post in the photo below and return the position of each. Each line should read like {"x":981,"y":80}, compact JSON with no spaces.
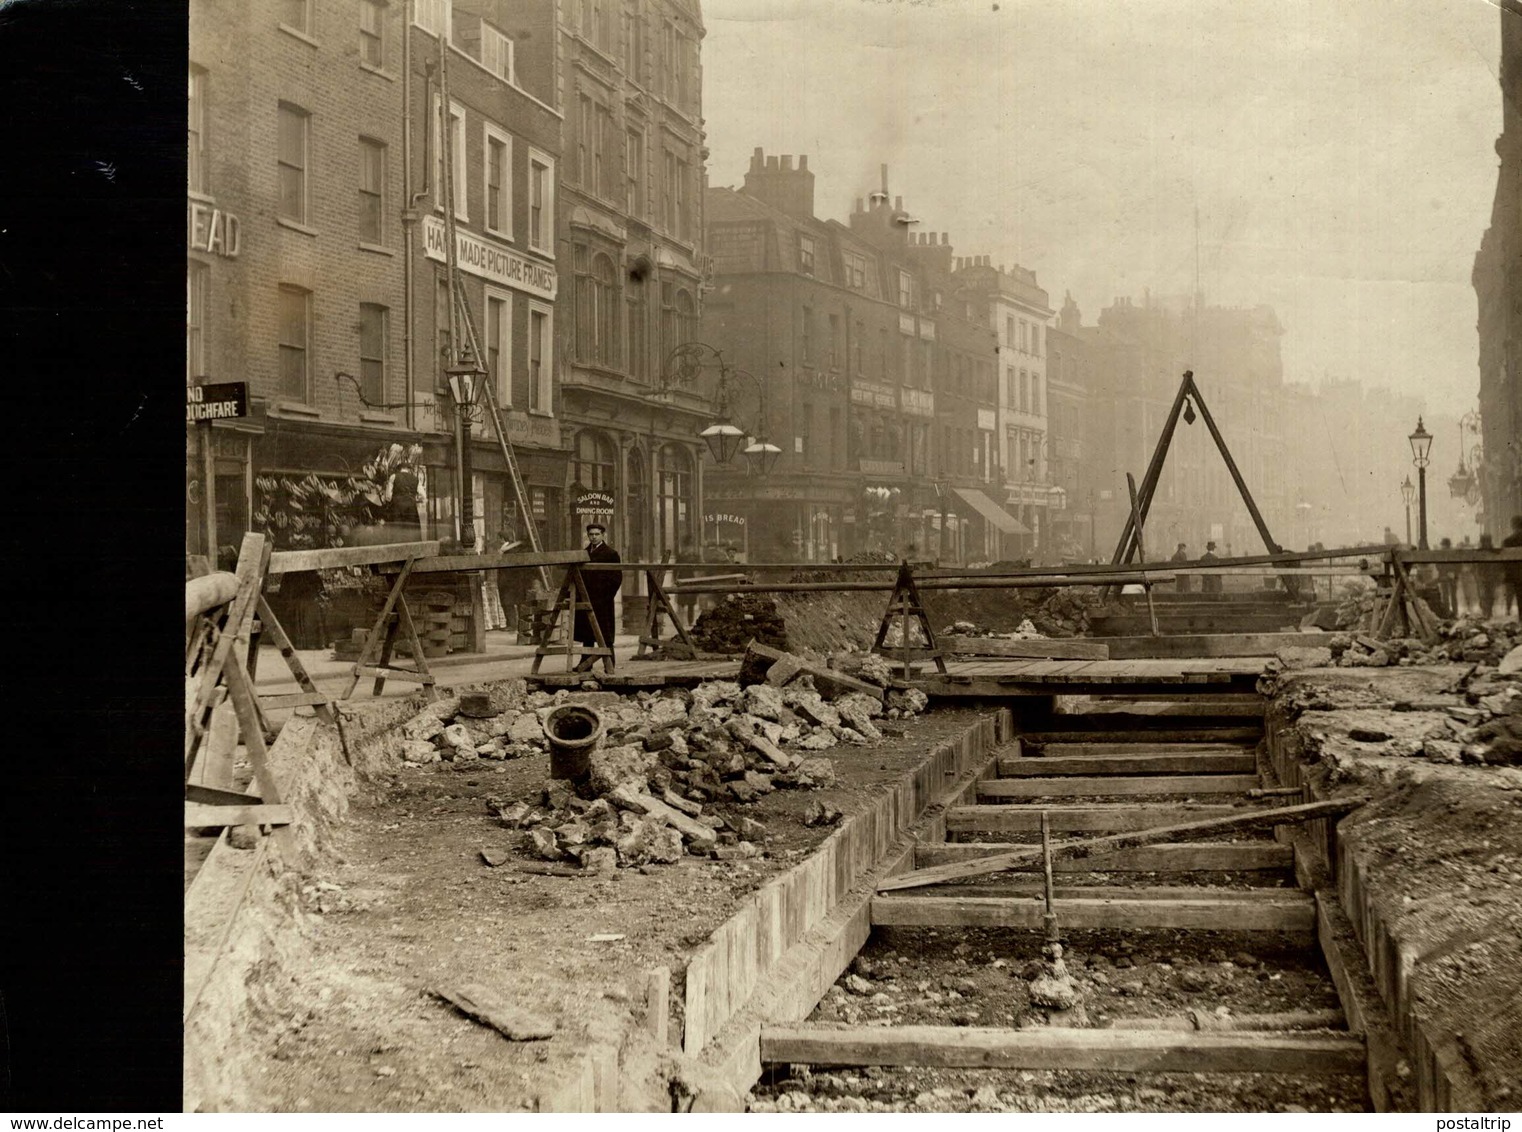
{"x":1421,"y":448}
{"x":724,"y":437}
{"x":1408,"y":493}
{"x":465,"y":381}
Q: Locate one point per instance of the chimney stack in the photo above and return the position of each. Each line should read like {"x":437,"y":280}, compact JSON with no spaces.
{"x":775,"y":182}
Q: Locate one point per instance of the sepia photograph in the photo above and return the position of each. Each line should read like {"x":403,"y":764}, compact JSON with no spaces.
{"x":852,"y":556}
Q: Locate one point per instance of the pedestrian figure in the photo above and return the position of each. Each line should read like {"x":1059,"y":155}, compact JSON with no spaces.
{"x":1211,"y":583}
{"x":1512,"y":571}
{"x":1181,"y":555}
{"x":1487,"y":576}
{"x":687,"y":604}
{"x":601,"y":586}
{"x":1390,"y":539}
{"x":1469,"y":596}
{"x":1448,"y":582}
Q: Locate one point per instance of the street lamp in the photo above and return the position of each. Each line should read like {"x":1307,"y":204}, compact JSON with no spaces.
{"x":1408,"y":493}
{"x":465,"y":381}
{"x":1421,"y":448}
{"x":724,"y":436}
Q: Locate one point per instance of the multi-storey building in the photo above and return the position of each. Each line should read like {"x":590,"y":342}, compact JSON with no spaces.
{"x":1497,"y":281}
{"x":1074,"y":495}
{"x":316,"y":237}
{"x":855,"y":363}
{"x":1021,"y":316}
{"x":630,"y":228}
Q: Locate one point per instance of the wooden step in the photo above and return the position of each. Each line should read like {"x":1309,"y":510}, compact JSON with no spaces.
{"x":1050,"y":766}
{"x":1031,"y":887}
{"x":1153,"y":784}
{"x":1272,"y":910}
{"x":1185,"y":856}
{"x":1052,"y":1047}
{"x":1147,"y":736}
{"x":1082,"y":750}
{"x":1157,"y":705}
{"x":1106,"y":817}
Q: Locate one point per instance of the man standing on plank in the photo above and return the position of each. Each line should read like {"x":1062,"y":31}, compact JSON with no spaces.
{"x":601,"y":586}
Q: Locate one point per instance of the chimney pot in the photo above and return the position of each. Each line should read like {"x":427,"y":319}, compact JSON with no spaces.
{"x":803,"y":161}
{"x":757,"y":158}
{"x":771,"y":162}
{"x":945,"y":239}
{"x":898,"y":204}
{"x":787,"y":161}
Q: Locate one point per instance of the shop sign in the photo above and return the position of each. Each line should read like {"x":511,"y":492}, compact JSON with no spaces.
{"x":827,"y":382}
{"x":593,"y":505}
{"x":489,"y":261}
{"x":986,"y":420}
{"x":927,"y":331}
{"x":737,"y":519}
{"x":906,"y":324}
{"x":533,"y":430}
{"x":870,"y":393}
{"x":882,"y":467}
{"x":759,"y":493}
{"x":209,"y":229}
{"x":920,"y":402}
{"x":221,"y":402}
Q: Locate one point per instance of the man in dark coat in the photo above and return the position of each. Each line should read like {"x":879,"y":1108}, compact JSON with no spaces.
{"x":1211,"y":583}
{"x":1181,"y":555}
{"x":601,"y":586}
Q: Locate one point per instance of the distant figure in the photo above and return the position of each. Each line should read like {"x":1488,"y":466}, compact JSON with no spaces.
{"x":687,"y":604}
{"x":1390,"y":539}
{"x":1487,"y":579}
{"x":1181,"y":555}
{"x":1512,"y":571}
{"x":602,"y":585}
{"x":1211,"y":584}
{"x":1469,"y":596}
{"x":1448,"y":582}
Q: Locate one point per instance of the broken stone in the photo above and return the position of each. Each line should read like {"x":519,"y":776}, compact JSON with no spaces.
{"x":858,"y":985}
{"x":676,"y":801}
{"x":1442,"y":751}
{"x":514,"y":814}
{"x":615,"y":767}
{"x":910,"y":701}
{"x":650,"y":841}
{"x":784,"y":670}
{"x":870,"y":706}
{"x":1368,"y":735}
{"x":667,"y":712}
{"x":815,"y":774}
{"x":572,"y":835}
{"x":850,"y":735}
{"x":741,"y":851}
{"x":557,"y":794}
{"x":419,"y":751}
{"x":769,"y":750}
{"x":852,"y":713}
{"x":458,"y":737}
{"x":820,"y":813}
{"x":493,"y":857}
{"x":812,"y":707}
{"x":701,"y":836}
{"x":820,"y":740}
{"x":752,"y":830}
{"x":1511,"y":662}
{"x":526,"y":729}
{"x":542,"y":841}
{"x":762,"y":701}
{"x":760,"y":783}
{"x":1295,"y":656}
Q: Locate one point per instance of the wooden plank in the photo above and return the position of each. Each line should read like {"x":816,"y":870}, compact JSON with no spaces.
{"x":1188,"y":856}
{"x":455,"y":563}
{"x":1041,"y":766}
{"x":1213,"y":644}
{"x":200,"y":815}
{"x":410,"y":675}
{"x":1056,"y":748}
{"x":1273,"y":911}
{"x":1152,"y":740}
{"x":1155,"y":784}
{"x":1003,"y":646}
{"x":294,"y":699}
{"x":1027,"y":819}
{"x":1234,"y":821}
{"x":1051,"y":1047}
{"x":218,"y":797}
{"x":295,"y":561}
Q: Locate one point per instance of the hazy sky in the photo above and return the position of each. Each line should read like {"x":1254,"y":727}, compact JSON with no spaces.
{"x":1340,"y":152}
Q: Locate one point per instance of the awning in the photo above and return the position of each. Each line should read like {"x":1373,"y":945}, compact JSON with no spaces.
{"x":991,"y":511}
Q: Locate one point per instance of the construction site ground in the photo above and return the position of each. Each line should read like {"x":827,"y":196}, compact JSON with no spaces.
{"x":399,"y":902}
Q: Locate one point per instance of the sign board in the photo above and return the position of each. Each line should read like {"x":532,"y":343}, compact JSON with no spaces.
{"x":489,"y":261}
{"x":225,"y":401}
{"x":882,"y":467}
{"x":920,"y":402}
{"x":906,"y":324}
{"x":209,"y":229}
{"x":736,"y":519}
{"x":591,"y":505}
{"x":927,"y":331}
{"x":531,"y":429}
{"x":870,"y":393}
{"x":986,"y":420}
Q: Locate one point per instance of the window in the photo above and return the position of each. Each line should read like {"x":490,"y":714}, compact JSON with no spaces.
{"x":669,"y":336}
{"x":634,"y":173}
{"x":634,"y":42}
{"x":541,"y":358}
{"x":457,"y":159}
{"x":372,"y":32}
{"x":497,"y":52}
{"x":858,"y":347}
{"x":584,"y":141}
{"x":372,"y":352}
{"x":805,"y":424}
{"x":596,"y":461}
{"x":1012,"y":388}
{"x":499,"y":344}
{"x":686,"y":316}
{"x":443,"y":340}
{"x":198,"y":178}
{"x":856,"y":271}
{"x":433,"y":16}
{"x":293,"y":159}
{"x":372,"y":191}
{"x":807,"y":339}
{"x":596,"y":307}
{"x":295,"y":338}
{"x":834,"y":341}
{"x":837,"y":442}
{"x":499,"y":181}
{"x":1036,"y":393}
{"x":541,"y":201}
{"x":675,"y":469}
{"x":806,"y":254}
{"x":683,"y":227}
{"x":1025,"y":395}
{"x":1036,"y":338}
{"x":905,"y":289}
{"x":297,"y":14}
{"x":668,"y":191}
{"x":1009,"y":330}
{"x":196,"y":275}
{"x":637,"y":335}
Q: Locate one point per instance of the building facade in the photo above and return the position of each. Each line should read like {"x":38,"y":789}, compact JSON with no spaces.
{"x":630,"y":228}
{"x":1075,"y":495}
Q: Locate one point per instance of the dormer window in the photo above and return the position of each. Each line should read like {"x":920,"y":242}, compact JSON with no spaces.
{"x":806,"y":254}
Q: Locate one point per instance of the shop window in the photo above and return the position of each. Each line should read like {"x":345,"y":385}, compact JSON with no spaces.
{"x":295,"y":340}
{"x":294,"y":160}
{"x":675,"y":519}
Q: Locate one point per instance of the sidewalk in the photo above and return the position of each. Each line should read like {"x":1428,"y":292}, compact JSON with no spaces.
{"x":502,"y":659}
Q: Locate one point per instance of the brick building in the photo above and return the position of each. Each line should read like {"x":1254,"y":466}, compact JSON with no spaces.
{"x":1068,"y":411}
{"x":314,"y":230}
{"x":630,"y":231}
{"x":876,"y":384}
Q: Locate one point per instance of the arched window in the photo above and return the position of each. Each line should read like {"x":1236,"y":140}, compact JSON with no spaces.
{"x":595,"y":461}
{"x":637,"y":505}
{"x":637,"y":333}
{"x":675,"y":519}
{"x":686,"y":317}
{"x":605,"y":313}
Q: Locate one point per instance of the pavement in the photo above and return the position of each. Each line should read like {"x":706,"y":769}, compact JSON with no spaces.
{"x":503,"y":658}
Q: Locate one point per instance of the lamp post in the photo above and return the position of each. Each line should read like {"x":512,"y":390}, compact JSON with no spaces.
{"x":1421,"y":449}
{"x":465,"y":379}
{"x":1408,"y":493}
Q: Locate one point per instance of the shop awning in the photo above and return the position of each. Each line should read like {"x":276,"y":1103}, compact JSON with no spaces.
{"x":1000,"y":518}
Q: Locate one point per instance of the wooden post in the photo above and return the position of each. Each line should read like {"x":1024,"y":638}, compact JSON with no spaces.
{"x":1141,"y":549}
{"x":209,"y":489}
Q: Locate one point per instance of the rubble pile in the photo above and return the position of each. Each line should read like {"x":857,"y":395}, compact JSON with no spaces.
{"x":666,"y":759}
{"x":1466,"y":640}
{"x":738,"y":619}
